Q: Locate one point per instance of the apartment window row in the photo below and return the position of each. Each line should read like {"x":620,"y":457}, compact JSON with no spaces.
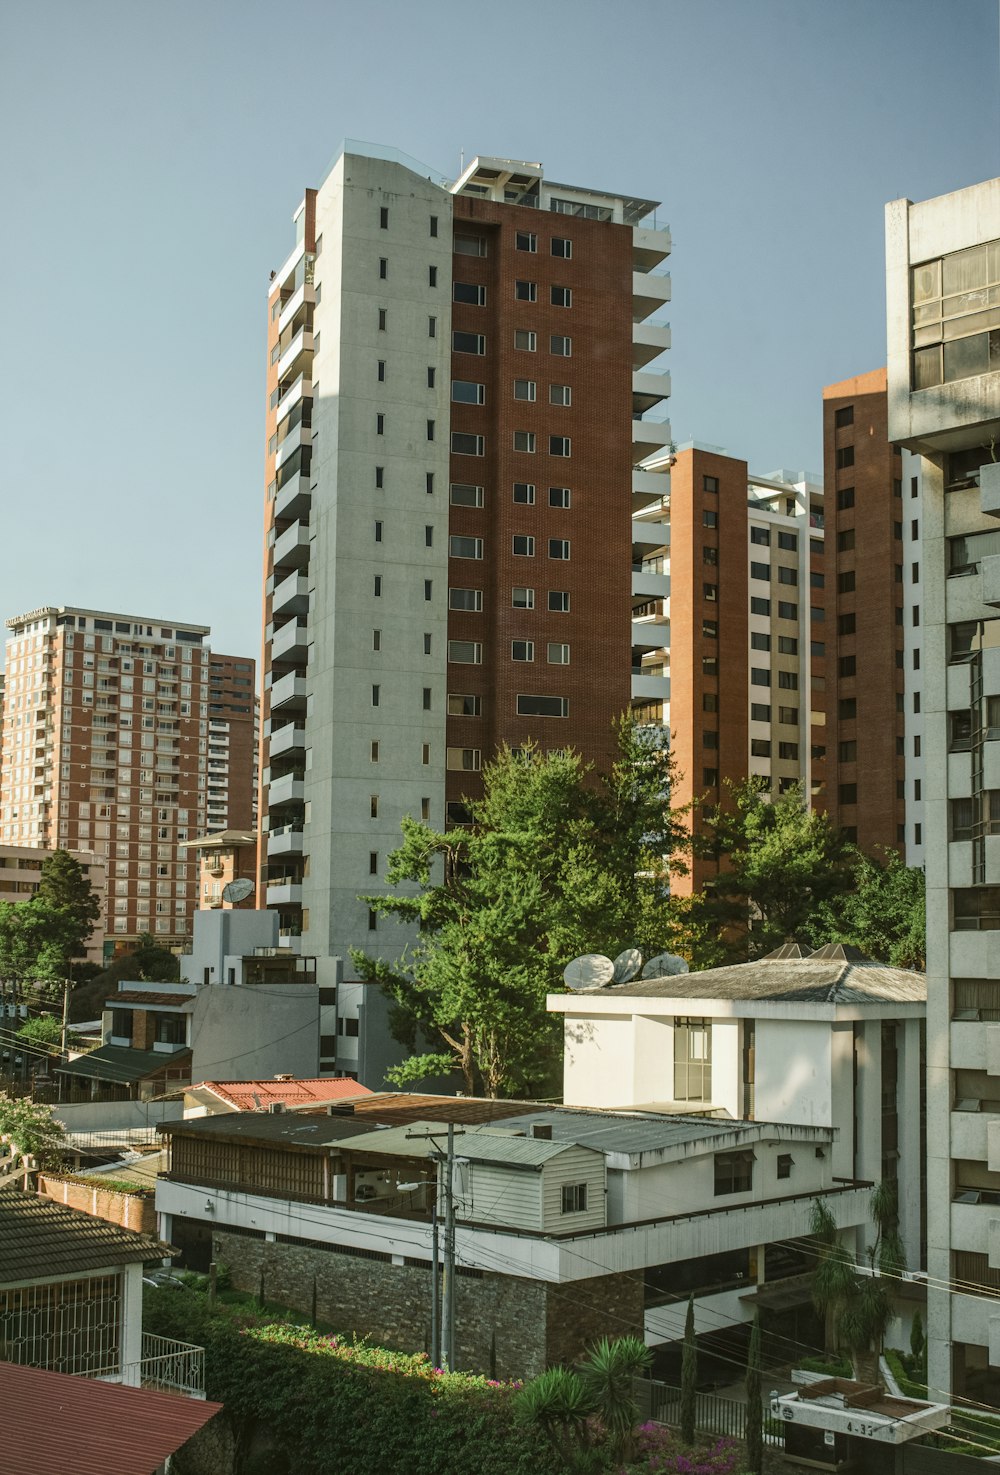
{"x":464,"y":444}
{"x":521,"y":597}
{"x":524,"y":650}
{"x":525,"y":340}
{"x":528,"y":241}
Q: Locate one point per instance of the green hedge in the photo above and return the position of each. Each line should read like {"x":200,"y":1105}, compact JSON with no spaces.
{"x":331,"y":1405}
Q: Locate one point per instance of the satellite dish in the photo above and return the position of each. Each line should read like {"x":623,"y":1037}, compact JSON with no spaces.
{"x":593,"y":970}
{"x":238,"y":890}
{"x":627,"y":965}
{"x":665,"y":965}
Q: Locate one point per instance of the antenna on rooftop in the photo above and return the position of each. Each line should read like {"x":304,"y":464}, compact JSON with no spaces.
{"x":461,"y":162}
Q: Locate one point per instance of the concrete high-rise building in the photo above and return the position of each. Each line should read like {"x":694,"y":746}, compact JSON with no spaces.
{"x":870,"y":596}
{"x":727,"y":633}
{"x":233,"y":739}
{"x":106,"y":748}
{"x":459,"y":388}
{"x":943,"y":299}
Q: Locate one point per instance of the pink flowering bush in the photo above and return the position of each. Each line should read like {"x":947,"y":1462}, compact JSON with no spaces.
{"x":659,"y":1452}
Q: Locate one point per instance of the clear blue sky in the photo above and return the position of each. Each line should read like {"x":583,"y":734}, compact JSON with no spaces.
{"x":154,"y":152}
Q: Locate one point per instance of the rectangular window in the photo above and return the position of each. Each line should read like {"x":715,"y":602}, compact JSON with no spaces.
{"x":523,"y":547}
{"x":522,"y":598}
{"x":845,"y":498}
{"x":759,"y":606}
{"x":733,"y":1172}
{"x":788,"y":680}
{"x":710,"y":483}
{"x":760,"y":712}
{"x":434,"y":225}
{"x":711,"y":555}
{"x":373,"y":806}
{"x":847,"y":709}
{"x":788,"y":576}
{"x":560,"y":345}
{"x":432,"y":276}
{"x":560,"y":445}
{"x":468,"y":392}
{"x":559,"y":548}
{"x":845,"y":540}
{"x":463,"y":760}
{"x":526,"y":291}
{"x":847,"y":793}
{"x":761,"y":536}
{"x":788,"y":716}
{"x":789,"y":752}
{"x":844,"y":417}
{"x":467,"y":599}
{"x":465,"y":495}
{"x":464,"y":705}
{"x":537,"y":706}
{"x":561,"y":297}
{"x":560,"y":246}
{"x":470,"y":246}
{"x":376,"y":695}
{"x":525,"y":340}
{"x":468,"y":342}
{"x":471,"y":292}
{"x":468,"y":445}
{"x":524,"y":492}
{"x":382,"y":317}
{"x":760,"y":571}
{"x":378,"y":532}
{"x":558,"y":654}
{"x":522,"y":650}
{"x":378,"y":586}
{"x":525,"y":240}
{"x":383,"y":267}
{"x":559,"y":604}
{"x":574,"y":1198}
{"x":380,"y":424}
{"x":760,"y":676}
{"x":560,"y":394}
{"x":376,"y":640}
{"x":524,"y":440}
{"x":789,"y":542}
{"x":428,"y":588}
{"x":383,"y":217}
{"x":559,"y":496}
{"x":692,"y":1059}
{"x":760,"y":748}
{"x":430,"y":429}
{"x":759,"y":640}
{"x":381,"y":371}
{"x":465,"y":652}
{"x":788,"y":645}
{"x":844,"y":457}
{"x":379,"y":476}
{"x":427,"y":696}
{"x":460,"y":547}
{"x":845,"y":582}
{"x":524,"y":389}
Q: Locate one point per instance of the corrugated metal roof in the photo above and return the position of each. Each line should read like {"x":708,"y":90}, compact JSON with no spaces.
{"x":119,"y":1063}
{"x":813,"y":980}
{"x":257,"y":1095}
{"x":56,"y":1423}
{"x":274,"y":1128}
{"x":608,"y":1132}
{"x":39,"y":1238}
{"x":477,"y":1143}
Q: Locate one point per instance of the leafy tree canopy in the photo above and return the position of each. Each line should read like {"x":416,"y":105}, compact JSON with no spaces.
{"x":40,"y":938}
{"x":557,"y":861}
{"x":45,"y":1029}
{"x":884,"y":915}
{"x":30,"y":1128}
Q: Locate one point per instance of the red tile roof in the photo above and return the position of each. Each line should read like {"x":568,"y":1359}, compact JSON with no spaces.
{"x":91,"y":1427}
{"x":258,"y":1095}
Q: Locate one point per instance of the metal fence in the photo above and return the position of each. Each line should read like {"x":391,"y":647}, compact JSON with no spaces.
{"x":712,"y":1414}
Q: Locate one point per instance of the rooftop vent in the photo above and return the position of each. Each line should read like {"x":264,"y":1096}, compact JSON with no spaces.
{"x":841,"y":952}
{"x":340,"y":1108}
{"x":541,"y":1130}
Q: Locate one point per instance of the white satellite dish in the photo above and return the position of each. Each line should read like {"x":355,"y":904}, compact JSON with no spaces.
{"x":627,"y":965}
{"x":236,"y":891}
{"x":665,"y":965}
{"x":593,"y":970}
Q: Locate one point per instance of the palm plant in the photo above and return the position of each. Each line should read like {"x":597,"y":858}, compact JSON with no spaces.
{"x":608,"y":1375}
{"x":858,"y":1309}
{"x":559,"y":1403}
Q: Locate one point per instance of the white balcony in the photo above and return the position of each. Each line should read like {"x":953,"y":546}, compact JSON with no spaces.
{"x":650,"y":688}
{"x":303,"y":294}
{"x":291,"y":548}
{"x":649,"y":291}
{"x":300,"y":389}
{"x":294,"y":357}
{"x":288,"y":789}
{"x":294,"y":441}
{"x":653,"y":585}
{"x":648,"y":389}
{"x":969,"y":1135}
{"x":649,"y":247}
{"x":289,"y":693}
{"x":284,"y":894}
{"x":287,"y":739}
{"x":649,"y":487}
{"x":970,"y":1226}
{"x":649,"y":436}
{"x":648,"y":342}
{"x":291,"y":595}
{"x":651,"y":631}
{"x":286,"y":840}
{"x":649,"y":533}
{"x":968,"y":1047}
{"x":166,"y":1364}
{"x":294,"y":499}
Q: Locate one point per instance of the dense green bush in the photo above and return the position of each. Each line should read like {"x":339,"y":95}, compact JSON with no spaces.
{"x":834,"y":1367}
{"x":338,"y":1405}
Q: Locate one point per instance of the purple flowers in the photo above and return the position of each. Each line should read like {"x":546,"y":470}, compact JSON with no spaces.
{"x":658,"y":1452}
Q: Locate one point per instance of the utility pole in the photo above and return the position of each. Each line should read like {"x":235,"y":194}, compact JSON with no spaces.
{"x":443,"y":1324}
{"x":65,"y":1018}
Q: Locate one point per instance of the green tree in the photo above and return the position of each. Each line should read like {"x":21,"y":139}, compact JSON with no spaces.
{"x":558,"y":1403}
{"x":755,"y":1404}
{"x":64,"y":888}
{"x":782,"y":867}
{"x":609,"y":1372}
{"x":557,"y":861}
{"x":46,"y":1029}
{"x":689,"y":1376}
{"x":29,"y":1128}
{"x":884,"y":914}
{"x":860,"y":1306}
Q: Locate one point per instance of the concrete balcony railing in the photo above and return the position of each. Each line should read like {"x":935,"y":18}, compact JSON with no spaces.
{"x":285,"y":840}
{"x":294,"y":499}
{"x":649,"y":247}
{"x":291,"y":548}
{"x":289,"y":692}
{"x":291,"y":595}
{"x":288,"y":789}
{"x":287,"y":739}
{"x":648,"y":389}
{"x":649,"y":291}
{"x":652,"y":688}
{"x":294,"y":356}
{"x":649,"y":340}
{"x":296,"y":438}
{"x":649,"y":436}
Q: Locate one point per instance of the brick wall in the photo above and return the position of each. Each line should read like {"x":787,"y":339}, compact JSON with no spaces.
{"x":507,"y":1327}
{"x":130,"y":1210}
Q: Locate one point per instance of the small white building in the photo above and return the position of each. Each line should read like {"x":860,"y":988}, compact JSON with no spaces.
{"x":827,"y":1040}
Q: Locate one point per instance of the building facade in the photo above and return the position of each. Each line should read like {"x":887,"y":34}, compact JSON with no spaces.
{"x":727,"y":569}
{"x":943,"y":291}
{"x":459,"y":387}
{"x":870,"y":595}
{"x":106,"y":749}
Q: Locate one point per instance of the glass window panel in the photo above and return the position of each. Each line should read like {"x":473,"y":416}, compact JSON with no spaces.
{"x":966,"y":357}
{"x":963,"y":270}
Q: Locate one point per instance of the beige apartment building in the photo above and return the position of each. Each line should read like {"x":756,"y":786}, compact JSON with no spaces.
{"x":728,"y":647}
{"x":21,"y":871}
{"x":108,"y":725}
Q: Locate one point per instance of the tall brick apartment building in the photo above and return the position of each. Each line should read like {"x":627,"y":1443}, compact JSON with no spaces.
{"x":727,"y":617}
{"x":870,"y":592}
{"x":107,"y":734}
{"x":459,"y":390}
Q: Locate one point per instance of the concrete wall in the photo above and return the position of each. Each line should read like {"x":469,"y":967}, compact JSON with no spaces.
{"x":116,"y":1116}
{"x":245,"y":1034}
{"x":130,"y":1210}
{"x":689,"y":1186}
{"x":218,"y":934}
{"x":341,"y":723}
{"x":793,"y":1077}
